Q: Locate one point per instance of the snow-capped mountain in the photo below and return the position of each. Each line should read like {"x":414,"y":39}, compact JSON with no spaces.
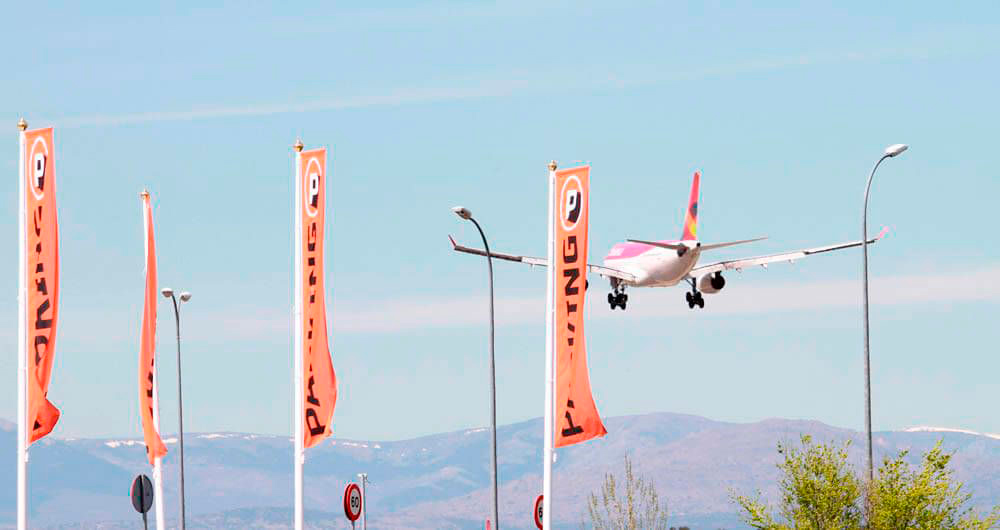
{"x":238,"y":480}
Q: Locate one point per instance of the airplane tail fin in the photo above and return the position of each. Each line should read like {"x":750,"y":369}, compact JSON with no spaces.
{"x":691,"y":216}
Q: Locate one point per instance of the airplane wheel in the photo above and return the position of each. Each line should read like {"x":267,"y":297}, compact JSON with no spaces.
{"x":700,"y":302}
{"x":690,"y":302}
{"x":620,"y":300}
{"x":687,"y":296}
{"x":611,"y":300}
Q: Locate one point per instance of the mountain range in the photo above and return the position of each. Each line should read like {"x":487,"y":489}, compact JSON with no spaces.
{"x":238,"y":480}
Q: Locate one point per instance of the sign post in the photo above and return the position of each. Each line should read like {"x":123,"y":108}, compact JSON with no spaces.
{"x":364,"y":505}
{"x":142,"y":496}
{"x":353,"y":502}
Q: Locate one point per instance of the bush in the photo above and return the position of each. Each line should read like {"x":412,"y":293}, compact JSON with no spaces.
{"x":636,"y":506}
{"x":819,"y":490}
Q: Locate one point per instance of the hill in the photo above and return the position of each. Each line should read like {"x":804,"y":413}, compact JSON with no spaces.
{"x":237,"y":480}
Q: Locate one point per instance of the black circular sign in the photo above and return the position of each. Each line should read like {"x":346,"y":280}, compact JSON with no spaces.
{"x":142,"y":494}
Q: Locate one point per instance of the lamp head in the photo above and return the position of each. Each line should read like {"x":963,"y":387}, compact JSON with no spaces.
{"x":185,"y":296}
{"x":895,"y":149}
{"x":462,"y":212}
{"x":167,"y":292}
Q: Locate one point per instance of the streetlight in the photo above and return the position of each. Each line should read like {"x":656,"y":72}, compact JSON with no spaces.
{"x":890,"y":152}
{"x":467,"y":215}
{"x":184,"y":297}
{"x":364,"y":500}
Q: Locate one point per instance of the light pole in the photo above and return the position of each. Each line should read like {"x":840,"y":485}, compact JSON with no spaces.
{"x":890,"y":152}
{"x":364,"y":500}
{"x":467,"y":215}
{"x":184,"y":297}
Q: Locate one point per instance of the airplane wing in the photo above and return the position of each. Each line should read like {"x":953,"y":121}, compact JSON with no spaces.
{"x":608,"y":272}
{"x":763,"y":261}
{"x":710,"y":246}
{"x":597,"y":269}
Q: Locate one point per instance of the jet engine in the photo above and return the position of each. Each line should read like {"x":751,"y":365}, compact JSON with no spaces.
{"x":711,"y":283}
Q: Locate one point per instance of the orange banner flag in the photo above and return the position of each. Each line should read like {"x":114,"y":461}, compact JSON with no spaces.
{"x":319,"y":389}
{"x":148,"y":400}
{"x":576,"y":417}
{"x":42,"y":277}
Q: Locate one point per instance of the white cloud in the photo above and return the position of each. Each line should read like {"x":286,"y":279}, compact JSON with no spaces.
{"x":486,"y":87}
{"x":744,"y":294}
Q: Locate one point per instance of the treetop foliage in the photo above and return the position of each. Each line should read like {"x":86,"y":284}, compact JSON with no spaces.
{"x":819,"y":490}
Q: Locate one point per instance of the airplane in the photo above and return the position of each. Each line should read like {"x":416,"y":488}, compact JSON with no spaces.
{"x":641,"y":263}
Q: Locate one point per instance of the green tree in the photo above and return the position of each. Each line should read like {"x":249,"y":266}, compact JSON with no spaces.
{"x":819,"y":490}
{"x":923,"y":498}
{"x":635,"y":505}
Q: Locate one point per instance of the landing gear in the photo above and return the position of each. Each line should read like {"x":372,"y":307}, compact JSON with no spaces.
{"x":617,"y":296}
{"x":694,"y":297}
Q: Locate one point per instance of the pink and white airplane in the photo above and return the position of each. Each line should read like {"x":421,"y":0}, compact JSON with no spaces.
{"x":638,"y":263}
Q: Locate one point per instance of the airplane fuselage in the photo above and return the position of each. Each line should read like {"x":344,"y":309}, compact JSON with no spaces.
{"x":654,"y":266}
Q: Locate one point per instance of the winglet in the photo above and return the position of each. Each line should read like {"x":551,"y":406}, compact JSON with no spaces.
{"x":454,"y":245}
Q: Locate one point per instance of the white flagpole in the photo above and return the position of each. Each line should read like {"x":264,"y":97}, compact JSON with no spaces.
{"x":549,"y":358}
{"x":297,"y":405}
{"x":147,"y":213}
{"x":22,"y":341}
{"x":158,"y":462}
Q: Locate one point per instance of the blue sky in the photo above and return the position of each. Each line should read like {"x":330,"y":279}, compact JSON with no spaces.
{"x":784,"y":109}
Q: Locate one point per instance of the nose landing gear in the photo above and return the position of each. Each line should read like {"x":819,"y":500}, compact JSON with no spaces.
{"x":694,"y":297}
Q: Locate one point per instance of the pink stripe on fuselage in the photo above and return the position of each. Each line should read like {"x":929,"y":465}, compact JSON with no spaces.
{"x":631,"y":250}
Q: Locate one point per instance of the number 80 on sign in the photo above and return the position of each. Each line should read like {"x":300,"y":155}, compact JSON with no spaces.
{"x":352,"y":502}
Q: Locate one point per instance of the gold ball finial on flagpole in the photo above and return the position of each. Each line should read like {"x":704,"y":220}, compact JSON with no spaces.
{"x":298,"y":145}
{"x":22,"y":125}
{"x":552,"y":165}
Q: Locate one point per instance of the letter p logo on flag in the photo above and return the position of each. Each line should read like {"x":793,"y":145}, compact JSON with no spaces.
{"x":571,"y":205}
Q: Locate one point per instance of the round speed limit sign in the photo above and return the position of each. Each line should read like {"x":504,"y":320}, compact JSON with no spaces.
{"x":352,"y":502}
{"x":538,"y":512}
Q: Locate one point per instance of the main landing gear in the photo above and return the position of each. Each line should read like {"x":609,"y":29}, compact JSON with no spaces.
{"x":617,"y":296}
{"x":694,"y":297}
